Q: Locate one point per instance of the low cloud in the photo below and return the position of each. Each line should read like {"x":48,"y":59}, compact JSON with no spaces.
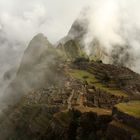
{"x":20,"y":21}
{"x":116,"y":26}
{"x":114,"y":23}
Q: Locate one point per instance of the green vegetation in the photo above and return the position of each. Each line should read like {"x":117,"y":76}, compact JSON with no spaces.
{"x":131,"y":108}
{"x":81,"y":74}
{"x":94,"y":57}
{"x":112,"y":91}
{"x":72,"y":49}
{"x":99,"y":111}
{"x":90,"y":78}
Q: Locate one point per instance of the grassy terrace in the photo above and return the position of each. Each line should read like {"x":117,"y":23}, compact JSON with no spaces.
{"x":99,"y":111}
{"x":132,"y":108}
{"x":90,"y":78}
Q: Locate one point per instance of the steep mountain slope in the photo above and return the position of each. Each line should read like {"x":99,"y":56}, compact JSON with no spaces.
{"x":71,"y":50}
{"x":78,"y":33}
{"x":78,"y":30}
{"x":37,"y":67}
{"x":94,"y":47}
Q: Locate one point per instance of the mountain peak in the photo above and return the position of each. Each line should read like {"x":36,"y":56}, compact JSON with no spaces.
{"x":39,"y":36}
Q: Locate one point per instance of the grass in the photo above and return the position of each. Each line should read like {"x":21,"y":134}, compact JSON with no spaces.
{"x":112,"y":91}
{"x":81,"y":74}
{"x":132,"y":108}
{"x":97,"y":110}
{"x":90,"y":78}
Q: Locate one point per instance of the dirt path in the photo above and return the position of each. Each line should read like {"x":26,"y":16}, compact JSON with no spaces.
{"x":80,"y":99}
{"x":70,"y":100}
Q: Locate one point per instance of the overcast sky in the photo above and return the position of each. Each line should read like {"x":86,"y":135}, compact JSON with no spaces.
{"x":111,"y":21}
{"x":23,"y":19}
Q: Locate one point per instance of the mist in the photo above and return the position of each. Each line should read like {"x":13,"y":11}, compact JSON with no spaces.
{"x":21,"y":21}
{"x":30,"y":64}
{"x":116,"y":25}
